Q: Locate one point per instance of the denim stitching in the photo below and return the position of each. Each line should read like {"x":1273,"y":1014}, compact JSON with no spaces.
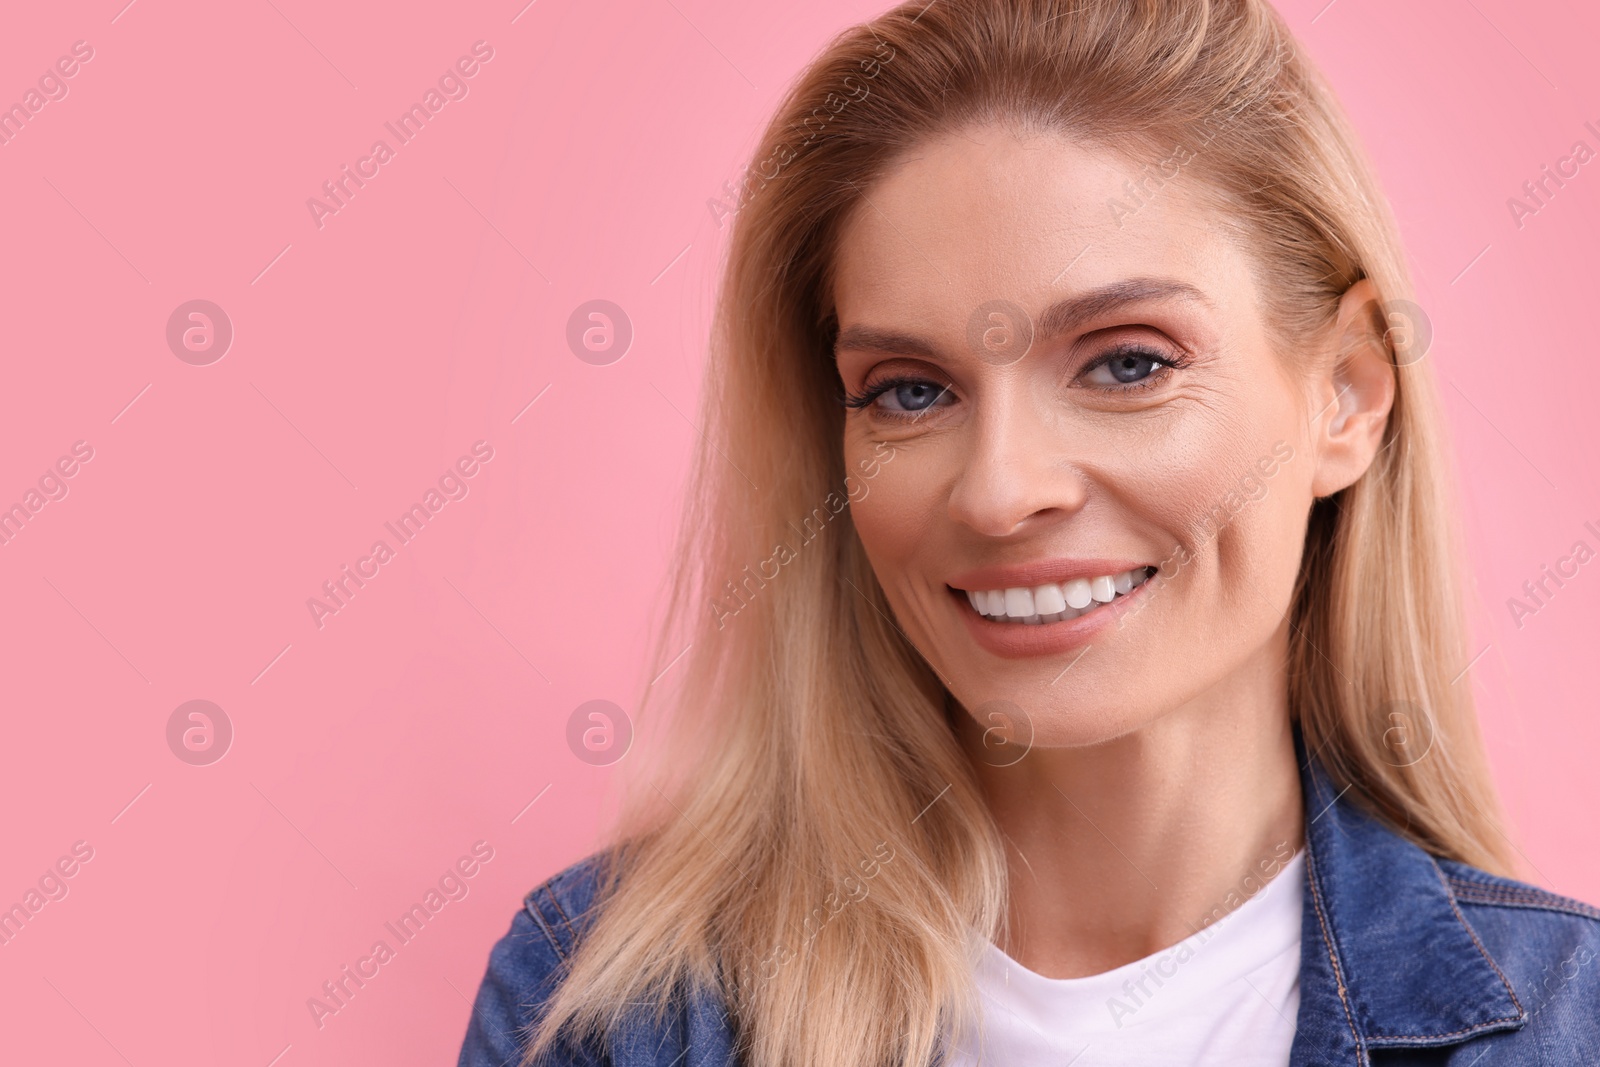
{"x":1333,"y":958}
{"x":1515,"y":896}
{"x":533,"y":910}
{"x":1512,"y":993}
{"x":562,"y":912}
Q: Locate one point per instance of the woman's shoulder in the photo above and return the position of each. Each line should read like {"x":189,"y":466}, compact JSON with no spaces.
{"x":562,"y":906}
{"x":527,"y":963}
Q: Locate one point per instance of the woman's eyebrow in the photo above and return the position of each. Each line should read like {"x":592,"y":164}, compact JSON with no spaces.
{"x":1055,"y":319}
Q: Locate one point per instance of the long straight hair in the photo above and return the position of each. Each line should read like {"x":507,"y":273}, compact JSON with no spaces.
{"x":813,"y":845}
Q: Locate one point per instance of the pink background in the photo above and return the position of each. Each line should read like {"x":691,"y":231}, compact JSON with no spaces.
{"x":425,"y":315}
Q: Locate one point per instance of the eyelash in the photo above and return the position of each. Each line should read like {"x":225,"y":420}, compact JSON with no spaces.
{"x":877,"y":389}
{"x":1165,"y":364}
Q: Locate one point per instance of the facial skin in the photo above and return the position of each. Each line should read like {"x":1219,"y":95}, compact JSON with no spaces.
{"x":1175,"y":717}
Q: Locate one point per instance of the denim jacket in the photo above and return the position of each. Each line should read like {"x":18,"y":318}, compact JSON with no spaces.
{"x":1405,"y":959}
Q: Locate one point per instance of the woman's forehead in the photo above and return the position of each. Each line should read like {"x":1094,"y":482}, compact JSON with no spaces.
{"x":965,"y":219}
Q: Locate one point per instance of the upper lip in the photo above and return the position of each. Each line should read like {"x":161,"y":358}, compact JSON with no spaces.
{"x":1039,"y":572}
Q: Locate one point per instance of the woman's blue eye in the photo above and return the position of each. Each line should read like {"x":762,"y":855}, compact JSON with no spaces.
{"x":914,"y":396}
{"x":905,"y":396}
{"x":1131,"y":368}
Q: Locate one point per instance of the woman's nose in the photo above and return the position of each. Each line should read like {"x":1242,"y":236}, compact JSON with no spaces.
{"x":1018,"y":473}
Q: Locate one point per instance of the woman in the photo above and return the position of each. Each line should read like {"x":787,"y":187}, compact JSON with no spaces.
{"x":1075,"y":648}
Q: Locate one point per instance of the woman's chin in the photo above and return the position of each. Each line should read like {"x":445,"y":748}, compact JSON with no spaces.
{"x":1009,"y":727}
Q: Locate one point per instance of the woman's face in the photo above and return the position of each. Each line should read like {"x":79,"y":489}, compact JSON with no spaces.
{"x":1076,"y":380}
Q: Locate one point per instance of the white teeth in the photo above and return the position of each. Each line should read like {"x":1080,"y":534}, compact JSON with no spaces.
{"x":1047,"y":600}
{"x":1053,"y":602}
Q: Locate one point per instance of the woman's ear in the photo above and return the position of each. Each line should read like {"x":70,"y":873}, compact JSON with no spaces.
{"x":1352,"y":393}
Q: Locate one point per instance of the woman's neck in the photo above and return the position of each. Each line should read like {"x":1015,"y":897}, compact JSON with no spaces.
{"x":1118,"y":850}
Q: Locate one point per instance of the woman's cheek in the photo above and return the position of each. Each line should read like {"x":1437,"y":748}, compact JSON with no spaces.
{"x":899,"y":509}
{"x":1195,"y":479}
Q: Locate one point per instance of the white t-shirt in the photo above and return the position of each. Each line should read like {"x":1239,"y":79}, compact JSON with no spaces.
{"x":1226,"y":995}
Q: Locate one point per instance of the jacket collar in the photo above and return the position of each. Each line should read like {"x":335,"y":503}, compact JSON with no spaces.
{"x":1387,"y":959}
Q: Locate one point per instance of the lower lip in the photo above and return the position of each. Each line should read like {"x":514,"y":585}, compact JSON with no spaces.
{"x":1016,"y":640}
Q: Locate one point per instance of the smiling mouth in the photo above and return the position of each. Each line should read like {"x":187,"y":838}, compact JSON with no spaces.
{"x":1054,"y":601}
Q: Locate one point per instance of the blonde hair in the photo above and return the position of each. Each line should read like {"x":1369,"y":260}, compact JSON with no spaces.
{"x":814,"y":848}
